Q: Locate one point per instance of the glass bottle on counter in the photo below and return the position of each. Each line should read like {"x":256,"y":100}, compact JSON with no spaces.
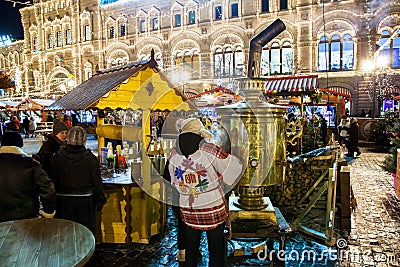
{"x":120,"y":159}
{"x":110,"y":157}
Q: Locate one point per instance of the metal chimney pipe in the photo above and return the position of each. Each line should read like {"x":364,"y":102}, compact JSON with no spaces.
{"x":258,"y":42}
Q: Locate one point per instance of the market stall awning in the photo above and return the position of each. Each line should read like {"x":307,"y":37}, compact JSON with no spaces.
{"x":137,"y":85}
{"x":217,"y":96}
{"x":337,"y":91}
{"x":291,"y":85}
{"x":33,"y":104}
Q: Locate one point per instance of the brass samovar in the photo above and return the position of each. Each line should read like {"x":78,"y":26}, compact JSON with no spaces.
{"x":257,"y":128}
{"x":257,"y":135}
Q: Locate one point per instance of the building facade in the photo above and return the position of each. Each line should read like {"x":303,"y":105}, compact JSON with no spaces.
{"x":352,"y":45}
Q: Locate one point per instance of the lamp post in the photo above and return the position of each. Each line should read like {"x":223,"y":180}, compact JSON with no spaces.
{"x":375,"y":67}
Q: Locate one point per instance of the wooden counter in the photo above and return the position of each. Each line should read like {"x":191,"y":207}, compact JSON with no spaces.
{"x":130,"y":215}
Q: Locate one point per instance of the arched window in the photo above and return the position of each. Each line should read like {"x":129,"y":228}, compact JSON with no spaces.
{"x":35,"y":44}
{"x":287,"y":58}
{"x":396,"y":51}
{"x":50,"y":40}
{"x":68,"y":38}
{"x":88,"y":70}
{"x":389,"y":54}
{"x":111,"y":32}
{"x":122,"y":29}
{"x":189,"y":60}
{"x":192,"y":17}
{"x":277,"y":59}
{"x":228,"y":62}
{"x":348,"y":51}
{"x":239,"y":61}
{"x":336,"y":54}
{"x":323,"y":53}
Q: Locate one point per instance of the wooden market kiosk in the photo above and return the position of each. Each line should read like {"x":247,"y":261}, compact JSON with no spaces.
{"x":134,"y":212}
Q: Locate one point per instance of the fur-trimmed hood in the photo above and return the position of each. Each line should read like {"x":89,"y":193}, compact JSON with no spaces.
{"x":12,"y":150}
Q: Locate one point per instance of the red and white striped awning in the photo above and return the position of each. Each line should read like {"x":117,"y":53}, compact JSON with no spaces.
{"x":292,"y":85}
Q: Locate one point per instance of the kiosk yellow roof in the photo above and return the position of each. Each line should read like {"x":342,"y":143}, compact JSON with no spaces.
{"x":137,"y":85}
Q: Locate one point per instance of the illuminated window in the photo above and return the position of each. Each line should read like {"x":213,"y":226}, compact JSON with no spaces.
{"x":87,"y":33}
{"x":336,"y":54}
{"x":218,"y":12}
{"x":59,"y":38}
{"x":155,"y":23}
{"x":50,"y":40}
{"x":111,"y":33}
{"x":192,"y":17}
{"x":142,"y":25}
{"x":235,"y":10}
{"x":389,"y":50}
{"x":228,"y":62}
{"x":68,"y":39}
{"x":277,"y":59}
{"x":123,"y":30}
{"x":178,"y":20}
{"x":35,"y":44}
{"x":190,"y":61}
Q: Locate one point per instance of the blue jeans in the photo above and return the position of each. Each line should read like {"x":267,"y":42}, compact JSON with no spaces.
{"x":216,"y":246}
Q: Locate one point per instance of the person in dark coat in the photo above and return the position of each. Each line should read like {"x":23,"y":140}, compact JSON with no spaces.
{"x":23,"y":183}
{"x":52,"y":144}
{"x":323,"y":129}
{"x":25,"y":126}
{"x":76,"y":175}
{"x":49,"y":118}
{"x":15,"y":124}
{"x":353,"y":138}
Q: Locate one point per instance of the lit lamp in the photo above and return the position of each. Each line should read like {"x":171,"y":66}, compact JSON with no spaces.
{"x":372,"y":66}
{"x":70,"y":83}
{"x":63,"y":88}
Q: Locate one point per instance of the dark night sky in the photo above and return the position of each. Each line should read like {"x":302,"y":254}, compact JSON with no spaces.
{"x":10,"y":19}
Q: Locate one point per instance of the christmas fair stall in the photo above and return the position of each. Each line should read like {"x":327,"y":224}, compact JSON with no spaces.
{"x":309,"y":190}
{"x":132,"y":154}
{"x":207,"y":102}
{"x":305,"y":99}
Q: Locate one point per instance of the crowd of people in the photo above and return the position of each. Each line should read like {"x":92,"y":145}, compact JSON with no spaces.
{"x":64,"y":175}
{"x":348,"y":136}
{"x":62,"y":180}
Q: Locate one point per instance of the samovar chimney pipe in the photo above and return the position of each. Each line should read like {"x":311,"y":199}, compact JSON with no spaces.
{"x":258,"y":42}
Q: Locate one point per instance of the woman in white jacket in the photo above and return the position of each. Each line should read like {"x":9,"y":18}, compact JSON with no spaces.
{"x":197,"y":169}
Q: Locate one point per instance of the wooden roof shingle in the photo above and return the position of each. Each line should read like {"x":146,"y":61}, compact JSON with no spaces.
{"x":88,"y":92}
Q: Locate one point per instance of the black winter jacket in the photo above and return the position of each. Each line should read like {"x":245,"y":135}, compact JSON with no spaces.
{"x":22,"y":181}
{"x":76,"y":170}
{"x":48,"y":150}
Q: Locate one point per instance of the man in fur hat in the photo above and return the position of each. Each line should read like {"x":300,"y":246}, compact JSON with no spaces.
{"x":23,"y":183}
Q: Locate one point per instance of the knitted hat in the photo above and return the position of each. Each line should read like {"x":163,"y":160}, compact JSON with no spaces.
{"x":12,"y":139}
{"x":76,"y":136}
{"x":59,"y":126}
{"x":193,"y":125}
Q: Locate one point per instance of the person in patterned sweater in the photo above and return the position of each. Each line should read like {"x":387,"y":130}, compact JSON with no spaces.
{"x":198,"y":169}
